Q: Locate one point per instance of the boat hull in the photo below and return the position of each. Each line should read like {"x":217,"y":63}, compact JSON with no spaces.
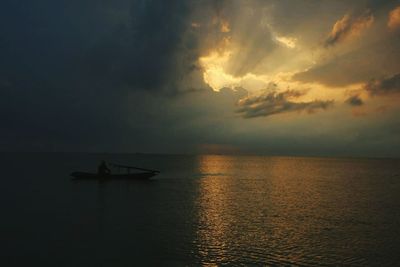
{"x":128,"y":176}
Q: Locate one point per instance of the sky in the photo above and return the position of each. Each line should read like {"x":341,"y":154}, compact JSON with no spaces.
{"x":304,"y":77}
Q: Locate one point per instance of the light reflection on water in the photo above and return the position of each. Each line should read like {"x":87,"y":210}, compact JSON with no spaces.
{"x":284,"y":211}
{"x":201,"y":210}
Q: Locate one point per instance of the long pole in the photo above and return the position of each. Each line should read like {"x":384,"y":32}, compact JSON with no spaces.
{"x":130,"y":167}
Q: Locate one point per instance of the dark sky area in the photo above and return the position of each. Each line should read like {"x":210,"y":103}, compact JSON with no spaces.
{"x":207,"y":76}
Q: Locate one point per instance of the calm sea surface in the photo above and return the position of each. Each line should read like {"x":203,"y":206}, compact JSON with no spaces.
{"x":201,"y":210}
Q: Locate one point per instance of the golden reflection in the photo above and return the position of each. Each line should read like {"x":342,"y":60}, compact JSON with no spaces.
{"x":214,"y":223}
{"x":251,"y":205}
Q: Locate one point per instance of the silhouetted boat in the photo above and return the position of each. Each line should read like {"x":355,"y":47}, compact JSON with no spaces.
{"x":128,"y":176}
{"x":143,"y":175}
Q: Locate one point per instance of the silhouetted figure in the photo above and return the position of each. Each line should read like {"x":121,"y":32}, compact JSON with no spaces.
{"x":103,"y":169}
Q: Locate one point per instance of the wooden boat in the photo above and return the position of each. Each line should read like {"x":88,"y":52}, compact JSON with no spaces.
{"x":142,"y":175}
{"x":95,"y":176}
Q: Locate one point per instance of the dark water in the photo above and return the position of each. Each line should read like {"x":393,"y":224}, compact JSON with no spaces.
{"x":201,"y":210}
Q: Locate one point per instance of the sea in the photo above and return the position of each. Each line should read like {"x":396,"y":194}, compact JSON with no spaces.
{"x":204,"y":210}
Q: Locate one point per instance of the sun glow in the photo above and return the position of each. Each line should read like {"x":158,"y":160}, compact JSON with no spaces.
{"x":287,"y":41}
{"x":213,"y":71}
{"x":216,"y":77}
{"x":217,"y":62}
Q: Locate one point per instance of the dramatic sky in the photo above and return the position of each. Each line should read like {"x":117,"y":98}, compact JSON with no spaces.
{"x":287,"y":77}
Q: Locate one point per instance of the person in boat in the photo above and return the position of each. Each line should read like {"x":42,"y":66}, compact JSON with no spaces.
{"x":103,"y":169}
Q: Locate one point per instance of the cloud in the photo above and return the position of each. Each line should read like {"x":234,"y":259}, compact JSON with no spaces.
{"x":394,"y":19}
{"x":384,"y":86}
{"x":67,"y":89}
{"x":287,"y":41}
{"x":375,"y":59}
{"x":355,"y":101}
{"x":116,"y":76}
{"x":250,"y":39}
{"x":347,"y":27}
{"x":141,"y":54}
{"x":276,"y":103}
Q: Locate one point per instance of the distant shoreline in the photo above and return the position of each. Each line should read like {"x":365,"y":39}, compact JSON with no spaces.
{"x":204,"y":154}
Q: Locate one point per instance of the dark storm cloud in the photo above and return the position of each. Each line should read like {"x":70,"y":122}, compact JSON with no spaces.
{"x":276,"y":103}
{"x":67,"y":67}
{"x":123,"y":75}
{"x":348,"y":26}
{"x":355,"y":101}
{"x":384,"y":86}
{"x":147,"y":51}
{"x":126,"y":44}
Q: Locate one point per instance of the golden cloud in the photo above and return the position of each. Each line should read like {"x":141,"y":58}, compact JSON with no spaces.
{"x":394,"y":19}
{"x":273,"y":103}
{"x":224,"y":26}
{"x":349,"y":26}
